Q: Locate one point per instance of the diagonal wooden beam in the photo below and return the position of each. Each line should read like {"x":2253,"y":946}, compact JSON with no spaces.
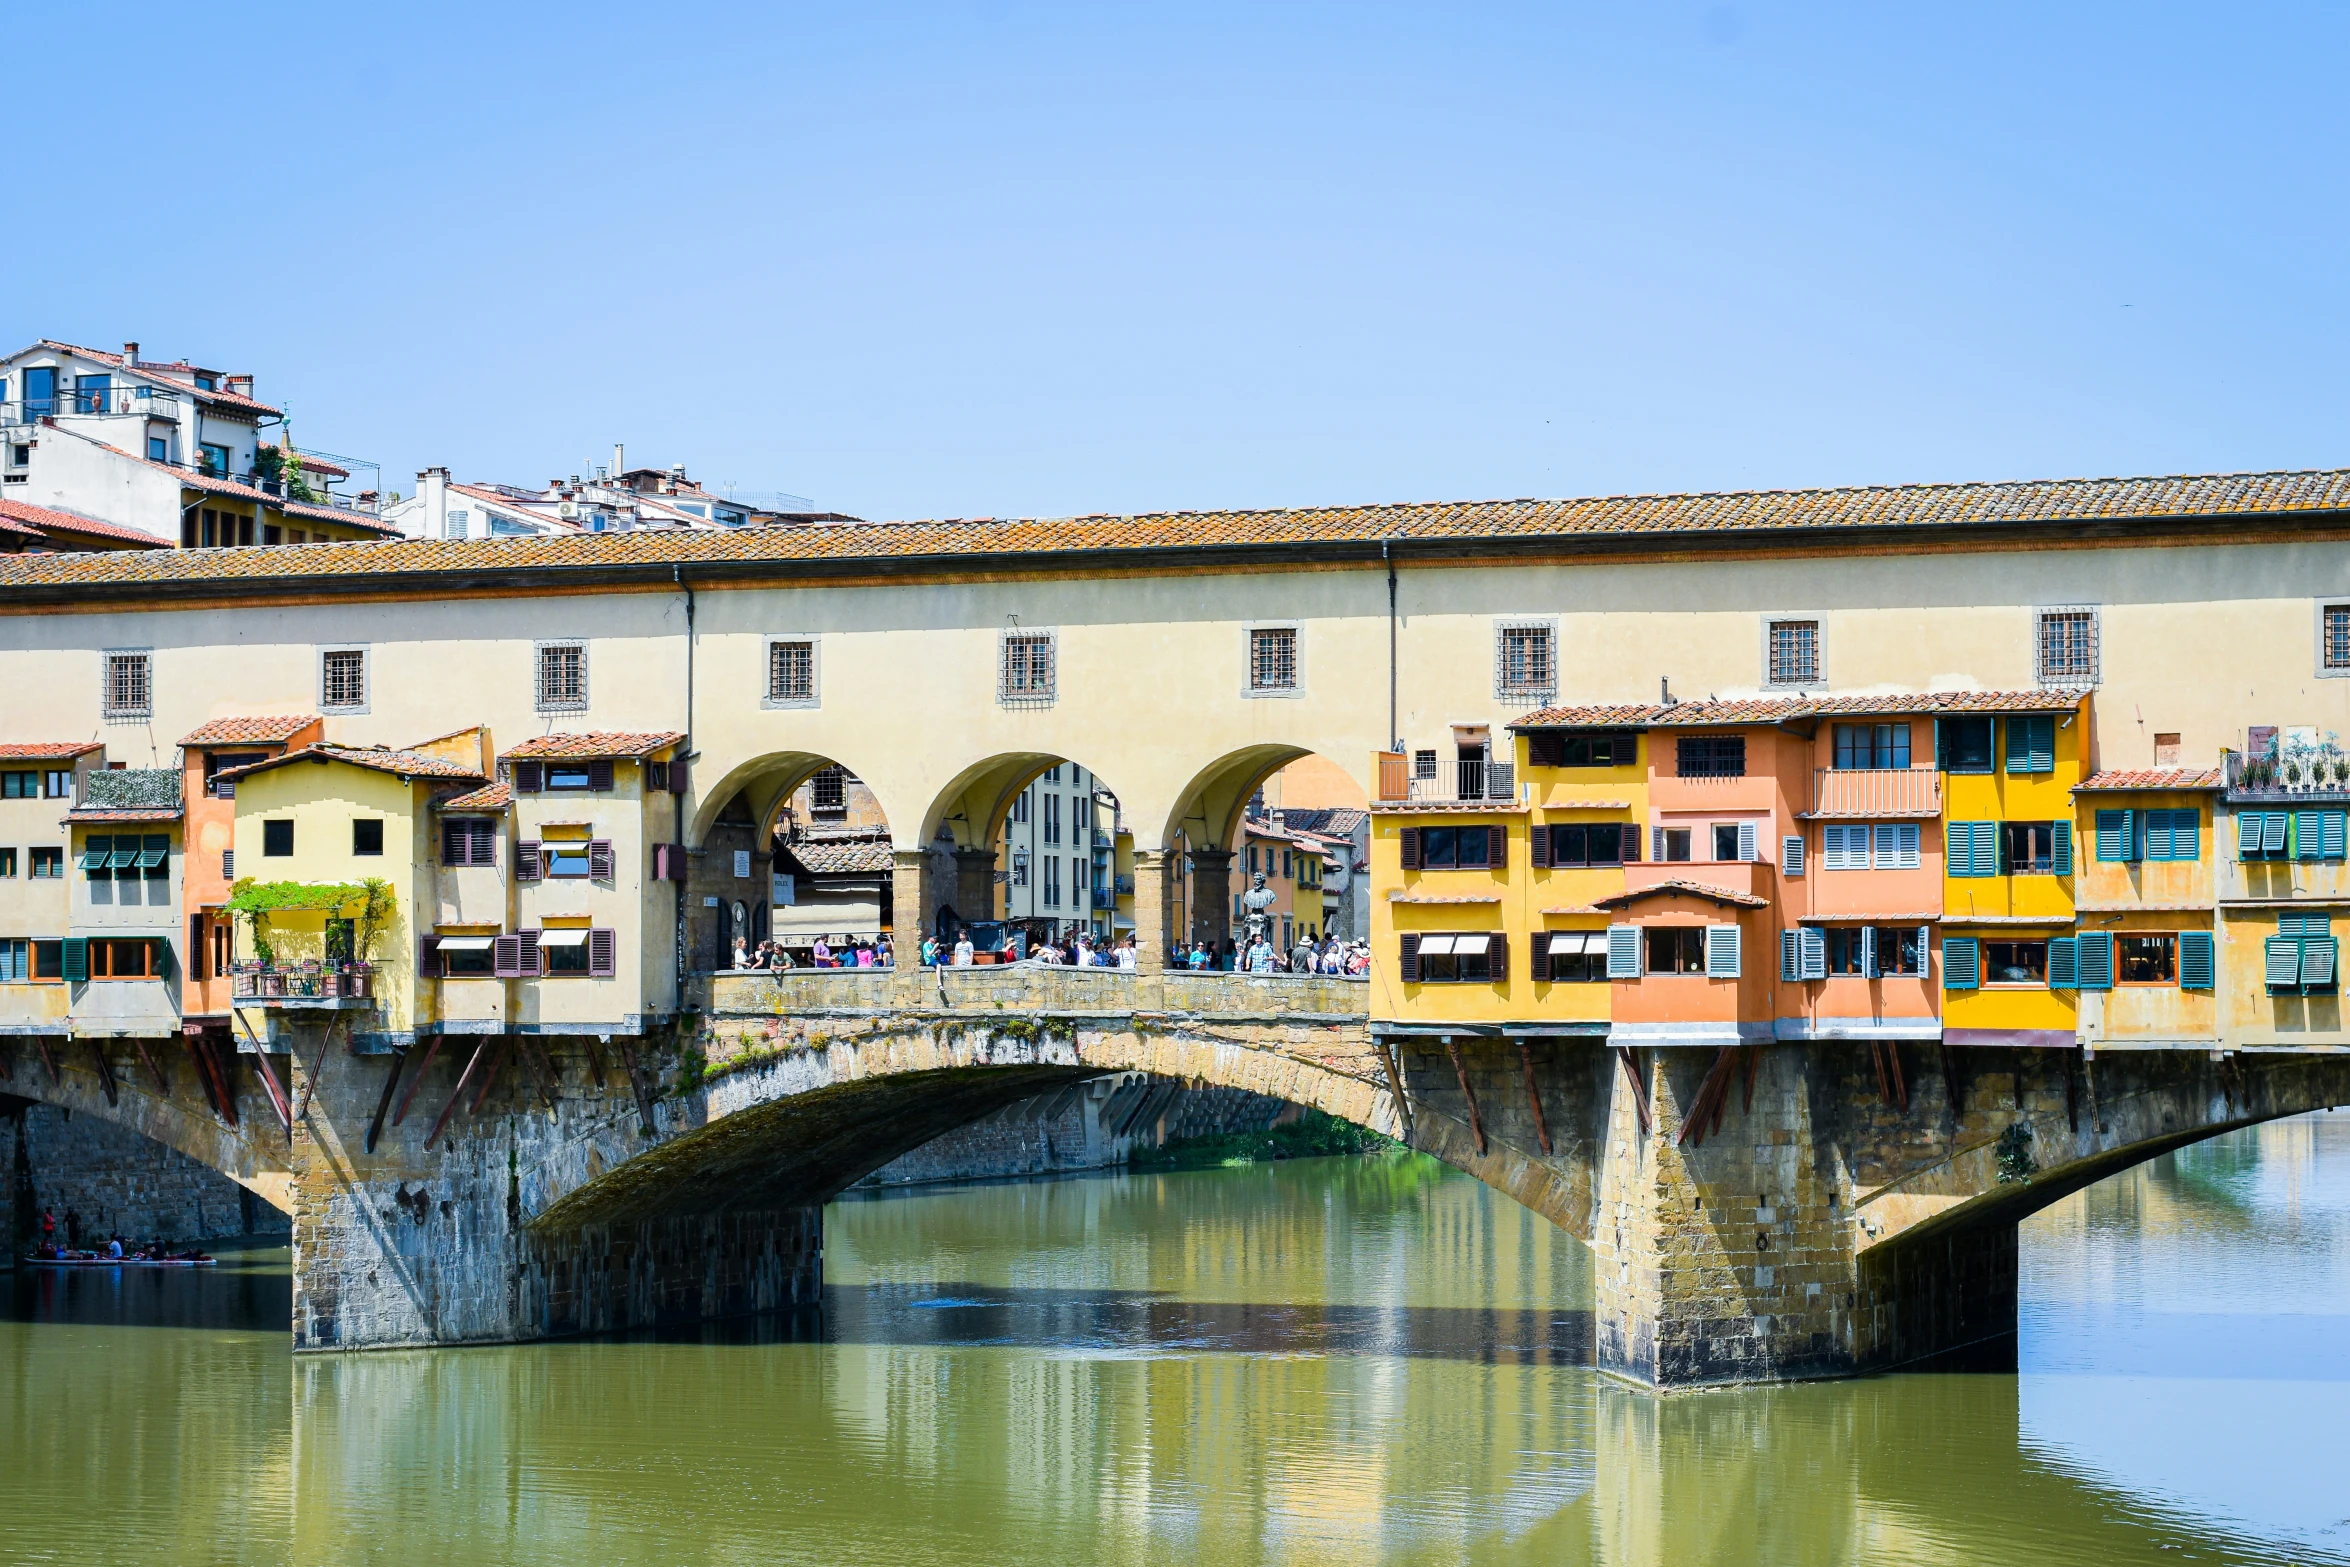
{"x":1714,"y":1088}
{"x":1534,"y":1096}
{"x":595,"y":1059}
{"x":458,"y":1093}
{"x":325,"y":1042}
{"x":1403,"y":1108}
{"x":644,"y":1094}
{"x":375,"y":1126}
{"x":154,"y":1070}
{"x":106,"y":1073}
{"x":48,"y":1060}
{"x":489,"y":1078}
{"x":277,"y":1095}
{"x":1476,"y":1121}
{"x":1629,"y":1060}
{"x":430,"y":1051}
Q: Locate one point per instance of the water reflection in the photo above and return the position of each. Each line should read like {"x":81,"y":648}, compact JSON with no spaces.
{"x":1329,"y":1362}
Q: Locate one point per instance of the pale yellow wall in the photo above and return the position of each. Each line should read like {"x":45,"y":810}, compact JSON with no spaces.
{"x":628,"y":905}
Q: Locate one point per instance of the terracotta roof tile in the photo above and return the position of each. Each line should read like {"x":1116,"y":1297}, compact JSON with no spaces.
{"x":490,"y":797}
{"x":613,"y":743}
{"x":47,"y":750}
{"x":249,"y":731}
{"x":1779,"y":709}
{"x":2151,"y":778}
{"x":1679,"y":888}
{"x":843,"y":856}
{"x":407,"y":764}
{"x":315,"y":464}
{"x":1839,"y":513}
{"x":43,"y":519}
{"x":117,"y":813}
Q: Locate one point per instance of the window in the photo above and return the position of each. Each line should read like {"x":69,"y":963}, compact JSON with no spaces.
{"x":1849,"y":951}
{"x":158,"y":449}
{"x":277,"y":839}
{"x":1465,"y":959}
{"x":563,"y":952}
{"x":16,"y":960}
{"x":1859,"y":846}
{"x":1020,"y":805}
{"x":2178,"y":835}
{"x":1576,"y":845}
{"x":367,"y":835}
{"x":228,"y":865}
{"x":48,"y":960}
{"x":137,"y":958}
{"x":1272,"y":659}
{"x":217,"y":762}
{"x":1966,"y":745}
{"x":2015,"y":963}
{"x":59,"y":783}
{"x":791,"y":674}
{"x":2035,"y":848}
{"x":2147,"y":960}
{"x":465,"y":957}
{"x":1844,"y":847}
{"x":1424,"y":764}
{"x":1451,"y":848}
{"x":155,"y":857}
{"x":20,"y":786}
{"x":213,"y":459}
{"x":1872,"y":746}
{"x":1052,"y":881}
{"x":829,"y":790}
{"x":48,"y":864}
{"x":564,"y":858}
{"x":129,"y":692}
{"x":1579,"y":748}
{"x":1711,"y":756}
{"x":342,"y":678}
{"x":1027,"y":668}
{"x":1052,"y":823}
{"x":7,"y":863}
{"x":1672,"y":843}
{"x":1794,"y":653}
{"x":562,"y":676}
{"x":2333,"y":639}
{"x":2302,"y":955}
{"x":2068,"y":647}
{"x":1675,"y":949}
{"x":2031,"y":744}
{"x":1576,"y":957}
{"x":469,"y":840}
{"x":1525,"y":665}
{"x":1901,"y":950}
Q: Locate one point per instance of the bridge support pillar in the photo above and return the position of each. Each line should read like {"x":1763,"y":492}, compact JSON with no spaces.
{"x":1150,"y":910}
{"x":910,"y":902}
{"x":975,"y":883}
{"x":1211,"y":898}
{"x":1735,"y":1255}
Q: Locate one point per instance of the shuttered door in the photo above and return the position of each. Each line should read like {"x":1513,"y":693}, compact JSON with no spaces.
{"x":1623,"y":952}
{"x":2198,"y":968}
{"x":1961,"y":963}
{"x":602,"y":951}
{"x":2096,"y":949}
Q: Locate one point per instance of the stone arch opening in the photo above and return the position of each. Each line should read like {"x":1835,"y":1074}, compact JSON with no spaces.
{"x":795,"y":848}
{"x":1042,"y":852}
{"x":1291,"y":815}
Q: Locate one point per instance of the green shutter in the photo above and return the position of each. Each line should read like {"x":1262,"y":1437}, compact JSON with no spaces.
{"x":2063,"y":964}
{"x":2273,"y":825}
{"x":2308,"y":835}
{"x":2284,"y":962}
{"x":2304,"y":924}
{"x":162,"y":958}
{"x":2062,"y":857}
{"x":2096,"y":960}
{"x":2117,"y":835}
{"x":1962,"y":962}
{"x":2198,"y":969}
{"x":76,"y":958}
{"x":2031,"y":745}
{"x":2317,"y":963}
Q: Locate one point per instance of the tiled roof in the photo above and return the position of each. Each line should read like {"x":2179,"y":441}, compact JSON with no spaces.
{"x":490,"y":797}
{"x":407,"y":764}
{"x":47,"y":750}
{"x":168,"y":373}
{"x":212,"y":484}
{"x":613,"y":743}
{"x":1779,"y":709}
{"x":1679,"y":888}
{"x":843,"y":856}
{"x":2151,"y":778}
{"x":249,"y":731}
{"x":1333,"y":821}
{"x":137,"y":813}
{"x":1831,"y":516}
{"x":43,"y":519}
{"x":314,"y":464}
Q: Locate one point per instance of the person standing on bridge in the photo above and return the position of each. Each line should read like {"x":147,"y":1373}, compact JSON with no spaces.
{"x":963,"y":953}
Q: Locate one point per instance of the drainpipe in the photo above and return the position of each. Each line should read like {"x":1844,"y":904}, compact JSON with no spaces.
{"x":685,"y":753}
{"x":1395,"y":734}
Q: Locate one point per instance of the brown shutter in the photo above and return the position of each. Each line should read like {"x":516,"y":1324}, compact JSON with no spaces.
{"x":1497,"y":847}
{"x":1546,"y":748}
{"x":526,"y":862}
{"x":528,"y":966}
{"x":526,"y":777}
{"x":1631,"y":843}
{"x":1497,"y":957}
{"x":506,"y":957}
{"x":600,"y":774}
{"x":1538,"y":845}
{"x":600,"y":955}
{"x":428,"y":957}
{"x":600,"y":859}
{"x":677,"y":776}
{"x":1408,"y":956}
{"x":196,"y":946}
{"x":1538,"y":956}
{"x":1409,"y":842}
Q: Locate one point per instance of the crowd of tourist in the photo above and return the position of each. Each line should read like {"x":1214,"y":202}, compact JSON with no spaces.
{"x":775,"y":959}
{"x":1330,"y":955}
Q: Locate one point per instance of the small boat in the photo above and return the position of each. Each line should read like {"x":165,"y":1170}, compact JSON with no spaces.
{"x":121,"y":1262}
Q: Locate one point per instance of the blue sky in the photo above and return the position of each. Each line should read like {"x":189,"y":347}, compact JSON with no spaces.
{"x":966,"y":261}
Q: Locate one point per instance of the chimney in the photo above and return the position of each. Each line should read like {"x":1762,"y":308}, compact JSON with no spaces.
{"x":619,"y":461}
{"x":239,"y":385}
{"x":432,"y":488}
{"x":130,"y":355}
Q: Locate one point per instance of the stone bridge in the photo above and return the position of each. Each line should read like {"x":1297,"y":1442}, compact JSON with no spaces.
{"x":1777,"y":1212}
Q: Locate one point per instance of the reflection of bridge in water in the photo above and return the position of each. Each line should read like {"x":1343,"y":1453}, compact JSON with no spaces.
{"x":535,"y":1192}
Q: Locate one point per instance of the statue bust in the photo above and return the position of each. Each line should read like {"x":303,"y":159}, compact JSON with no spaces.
{"x":1257,"y":900}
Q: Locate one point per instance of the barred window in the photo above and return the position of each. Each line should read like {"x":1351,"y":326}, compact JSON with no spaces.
{"x":1529,"y":664}
{"x":562,"y":675}
{"x":343,"y":678}
{"x":129,"y":691}
{"x":791,"y":671}
{"x":1028,"y":667}
{"x":2068,"y":647}
{"x":828,"y":790}
{"x":1711,"y":756}
{"x":2335,"y":652}
{"x":1272,"y":659}
{"x":1794,"y":653}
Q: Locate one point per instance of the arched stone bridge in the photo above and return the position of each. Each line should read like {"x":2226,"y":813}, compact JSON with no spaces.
{"x":1789,"y":1211}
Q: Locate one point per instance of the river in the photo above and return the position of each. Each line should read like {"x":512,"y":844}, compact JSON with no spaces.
{"x":1325,"y":1362}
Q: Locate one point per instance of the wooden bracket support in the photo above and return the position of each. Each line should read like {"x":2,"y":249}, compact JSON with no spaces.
{"x":277,"y":1095}
{"x":644,"y":1094}
{"x":106,"y":1073}
{"x":1629,"y":1059}
{"x":1534,"y":1097}
{"x":595,"y":1060}
{"x":1953,"y":1082}
{"x":489,"y":1077}
{"x":1476,"y":1121}
{"x":1403,"y":1107}
{"x":431,"y":1051}
{"x":375,"y":1126}
{"x":154,"y":1070}
{"x":48,"y":1060}
{"x":541,"y":1070}
{"x":1713,"y":1093}
{"x":457,"y":1093}
{"x":310,"y":1084}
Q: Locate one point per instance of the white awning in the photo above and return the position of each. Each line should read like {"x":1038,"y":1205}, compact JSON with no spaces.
{"x":1435,"y":946}
{"x":563,"y":938}
{"x":1565,"y":943}
{"x":1470,"y":946}
{"x":466,"y":943}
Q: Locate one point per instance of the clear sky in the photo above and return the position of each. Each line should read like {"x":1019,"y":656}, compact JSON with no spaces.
{"x":1005,"y":260}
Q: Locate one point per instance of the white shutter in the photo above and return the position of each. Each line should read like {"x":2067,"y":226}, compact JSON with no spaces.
{"x":1815,"y":953}
{"x":1791,"y":855}
{"x":1835,"y":847}
{"x":1748,"y":850}
{"x":1623,"y":952}
{"x":1868,"y":951}
{"x":1905,"y":846}
{"x":1721,"y":951}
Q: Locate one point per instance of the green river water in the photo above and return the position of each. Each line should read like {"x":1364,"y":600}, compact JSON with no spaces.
{"x":1325,"y":1362}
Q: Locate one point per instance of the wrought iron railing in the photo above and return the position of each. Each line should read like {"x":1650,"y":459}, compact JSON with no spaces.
{"x":2293,"y":775}
{"x":312,"y":980}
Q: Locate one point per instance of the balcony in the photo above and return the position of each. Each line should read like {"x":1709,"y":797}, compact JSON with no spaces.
{"x":310,"y":983}
{"x":93,"y":402}
{"x":1464,"y":782}
{"x":1887,"y":791}
{"x":2315,"y":775}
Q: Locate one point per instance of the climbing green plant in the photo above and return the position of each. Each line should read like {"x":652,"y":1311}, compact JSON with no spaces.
{"x":2015,"y":1154}
{"x":369,"y":904}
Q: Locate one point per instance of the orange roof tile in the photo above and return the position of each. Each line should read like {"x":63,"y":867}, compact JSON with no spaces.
{"x":2150,"y":778}
{"x":45,"y":519}
{"x":489,"y":797}
{"x":618,"y":744}
{"x":249,"y":731}
{"x":406,"y":764}
{"x":1679,"y":888}
{"x":47,"y":750}
{"x":1819,"y":516}
{"x":1779,"y":709}
{"x":125,"y":813}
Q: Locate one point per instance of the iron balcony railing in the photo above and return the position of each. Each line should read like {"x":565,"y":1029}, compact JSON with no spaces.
{"x":277,"y":488}
{"x":2303,"y":774}
{"x":1876,"y":791}
{"x":311,"y":980}
{"x":155,"y":400}
{"x":1456,"y":782}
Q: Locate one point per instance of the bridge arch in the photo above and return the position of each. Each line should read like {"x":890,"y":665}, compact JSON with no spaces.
{"x":764,"y":783}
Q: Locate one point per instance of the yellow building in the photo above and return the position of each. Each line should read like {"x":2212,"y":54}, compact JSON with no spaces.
{"x":2145,"y":893}
{"x":2283,"y":882}
{"x":39,"y":781}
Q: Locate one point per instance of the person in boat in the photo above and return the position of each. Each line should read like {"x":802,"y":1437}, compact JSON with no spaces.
{"x":114,"y":1247}
{"x":49,"y":1228}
